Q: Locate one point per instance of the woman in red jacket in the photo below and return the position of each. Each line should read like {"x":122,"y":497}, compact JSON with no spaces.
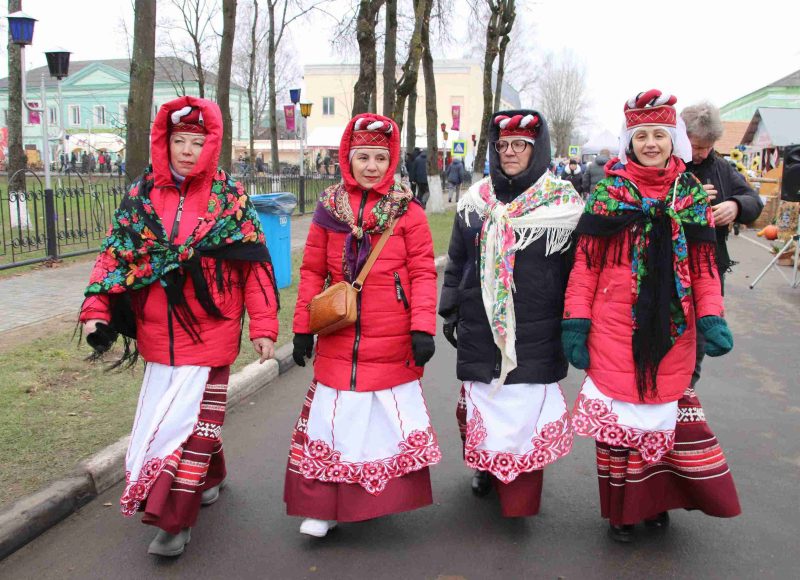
{"x":643,"y":282}
{"x":363,"y":443}
{"x":184,"y":256}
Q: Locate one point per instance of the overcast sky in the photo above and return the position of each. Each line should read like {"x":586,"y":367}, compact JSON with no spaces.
{"x":694,"y":49}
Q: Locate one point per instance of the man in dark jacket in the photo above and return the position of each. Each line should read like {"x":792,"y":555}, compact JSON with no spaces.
{"x":595,"y":171}
{"x":510,"y":399}
{"x":419,"y":175}
{"x":732,"y":200}
{"x":573,"y":174}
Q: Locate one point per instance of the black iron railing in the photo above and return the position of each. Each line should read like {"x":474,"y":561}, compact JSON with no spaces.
{"x":73,"y":218}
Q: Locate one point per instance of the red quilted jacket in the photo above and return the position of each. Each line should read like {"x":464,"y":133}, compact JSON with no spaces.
{"x":399,"y":294}
{"x":604,"y":297}
{"x":250,"y":288}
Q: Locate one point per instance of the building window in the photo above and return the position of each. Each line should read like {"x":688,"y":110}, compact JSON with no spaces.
{"x":74,"y":115}
{"x":123,"y":114}
{"x":5,"y":117}
{"x":99,"y":115}
{"x":53,"y":116}
{"x":327,"y":105}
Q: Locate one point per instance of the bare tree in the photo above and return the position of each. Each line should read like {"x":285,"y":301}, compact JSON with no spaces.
{"x":431,"y":119}
{"x":390,"y":58}
{"x":407,"y":85}
{"x":251,"y":107}
{"x":506,"y":24}
{"x":224,"y":80}
{"x":196,"y":17}
{"x":562,"y":97}
{"x":498,"y":13}
{"x":366,"y":86}
{"x":140,"y":97}
{"x":16,"y":154}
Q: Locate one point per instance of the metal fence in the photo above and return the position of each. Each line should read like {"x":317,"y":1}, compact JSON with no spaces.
{"x":38,"y":225}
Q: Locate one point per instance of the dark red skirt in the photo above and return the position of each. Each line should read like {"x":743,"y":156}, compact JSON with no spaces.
{"x":694,"y":475}
{"x":519,"y":498}
{"x":174,"y":500}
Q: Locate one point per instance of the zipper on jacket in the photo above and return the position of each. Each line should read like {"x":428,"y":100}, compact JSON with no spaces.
{"x":177,"y":223}
{"x":357,"y":338}
{"x":171,"y":336}
{"x":175,"y":227}
{"x":398,"y":290}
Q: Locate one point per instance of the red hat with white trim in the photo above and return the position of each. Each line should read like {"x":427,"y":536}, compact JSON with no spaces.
{"x":651,"y":108}
{"x":187,"y":120}
{"x":370,"y":132}
{"x":518,"y":125}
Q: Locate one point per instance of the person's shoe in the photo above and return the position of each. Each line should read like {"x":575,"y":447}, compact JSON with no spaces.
{"x":211,"y":495}
{"x":481,"y":483}
{"x":170,"y":545}
{"x":623,"y":534}
{"x":317,"y":528}
{"x":660,"y":521}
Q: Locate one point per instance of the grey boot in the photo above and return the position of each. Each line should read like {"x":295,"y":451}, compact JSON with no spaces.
{"x":211,"y":495}
{"x":166,"y":544}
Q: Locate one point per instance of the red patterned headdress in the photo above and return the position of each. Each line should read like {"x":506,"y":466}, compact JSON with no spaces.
{"x":187,"y":120}
{"x":651,"y":108}
{"x":370,"y":132}
{"x":518,"y":125}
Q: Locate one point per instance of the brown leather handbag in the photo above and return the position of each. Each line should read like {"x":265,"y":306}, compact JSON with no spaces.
{"x":337,"y":307}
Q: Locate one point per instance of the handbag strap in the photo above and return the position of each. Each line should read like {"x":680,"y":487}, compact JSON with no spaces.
{"x":373,"y":256}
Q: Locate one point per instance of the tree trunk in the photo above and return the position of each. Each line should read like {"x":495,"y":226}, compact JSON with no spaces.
{"x":273,"y":117}
{"x":390,"y":59}
{"x":224,"y":81}
{"x":251,"y":105}
{"x":201,"y":76}
{"x":16,"y":153}
{"x":408,"y":82}
{"x":140,"y":97}
{"x":365,"y":87}
{"x":411,"y":124}
{"x":506,"y":22}
{"x":435,"y":202}
{"x":488,"y":65}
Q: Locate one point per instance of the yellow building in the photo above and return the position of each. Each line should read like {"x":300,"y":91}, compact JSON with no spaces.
{"x":458,"y":82}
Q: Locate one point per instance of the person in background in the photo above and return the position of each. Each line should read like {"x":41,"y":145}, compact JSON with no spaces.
{"x":732,"y":200}
{"x":572,"y":173}
{"x":643,"y":283}
{"x":595,"y":171}
{"x":363,"y":442}
{"x":184,"y":258}
{"x":503,"y":293}
{"x":419,"y":175}
{"x":456,"y":173}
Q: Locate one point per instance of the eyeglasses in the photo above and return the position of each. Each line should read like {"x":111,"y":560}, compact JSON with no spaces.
{"x":517,"y":145}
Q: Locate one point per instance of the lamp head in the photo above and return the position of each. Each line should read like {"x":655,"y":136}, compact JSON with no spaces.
{"x":294,"y":95}
{"x":305,"y":110}
{"x":58,"y":63}
{"x":21,"y":27}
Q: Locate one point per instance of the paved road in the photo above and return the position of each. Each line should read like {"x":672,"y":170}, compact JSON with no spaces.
{"x":750,"y":398}
{"x":37,"y":296}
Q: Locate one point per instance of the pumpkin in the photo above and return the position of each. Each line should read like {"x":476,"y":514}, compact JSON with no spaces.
{"x":769,"y":232}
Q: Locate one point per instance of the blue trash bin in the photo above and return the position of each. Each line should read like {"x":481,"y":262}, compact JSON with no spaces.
{"x":275,"y":210}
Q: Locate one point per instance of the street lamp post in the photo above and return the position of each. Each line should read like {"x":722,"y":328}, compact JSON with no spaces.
{"x":294,"y":96}
{"x":58,"y":64}
{"x":305,"y":112}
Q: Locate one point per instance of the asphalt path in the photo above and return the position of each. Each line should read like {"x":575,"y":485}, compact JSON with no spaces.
{"x":751,"y":401}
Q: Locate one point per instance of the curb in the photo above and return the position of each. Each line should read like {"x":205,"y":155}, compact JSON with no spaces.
{"x":33,"y":515}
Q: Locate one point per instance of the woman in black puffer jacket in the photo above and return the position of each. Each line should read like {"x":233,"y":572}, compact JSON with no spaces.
{"x":512,"y":414}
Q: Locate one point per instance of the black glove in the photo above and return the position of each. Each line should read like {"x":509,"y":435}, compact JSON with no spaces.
{"x":102,"y":338}
{"x":449,"y":330}
{"x":303,"y":348}
{"x":423,"y":347}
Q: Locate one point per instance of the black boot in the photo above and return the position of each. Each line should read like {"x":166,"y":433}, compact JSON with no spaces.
{"x":661,"y":521}
{"x":481,"y":483}
{"x":622,"y":534}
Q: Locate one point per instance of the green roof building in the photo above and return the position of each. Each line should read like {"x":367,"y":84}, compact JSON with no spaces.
{"x":783,"y":93}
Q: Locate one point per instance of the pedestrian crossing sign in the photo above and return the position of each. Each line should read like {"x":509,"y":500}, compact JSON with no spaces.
{"x":459,"y":148}
{"x":574,"y":150}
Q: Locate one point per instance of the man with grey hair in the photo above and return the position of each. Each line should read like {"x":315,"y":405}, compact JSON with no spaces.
{"x":732,"y":199}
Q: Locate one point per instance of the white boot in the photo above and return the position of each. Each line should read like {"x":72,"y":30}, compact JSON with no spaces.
{"x":211,"y":495}
{"x":316,"y":528}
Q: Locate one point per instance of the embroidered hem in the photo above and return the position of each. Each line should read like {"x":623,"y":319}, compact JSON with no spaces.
{"x":318,"y":461}
{"x":592,"y":418}
{"x":551,"y":443}
{"x":137,"y":491}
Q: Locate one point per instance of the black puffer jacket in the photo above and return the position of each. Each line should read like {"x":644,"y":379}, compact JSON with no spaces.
{"x":540,"y":283}
{"x":730,"y":186}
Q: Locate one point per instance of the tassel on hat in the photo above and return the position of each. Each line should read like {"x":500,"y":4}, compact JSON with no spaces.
{"x":518,"y":125}
{"x":187,"y":120}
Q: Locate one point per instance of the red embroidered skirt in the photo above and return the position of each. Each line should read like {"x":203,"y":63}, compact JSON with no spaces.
{"x":358,"y":456}
{"x":693,"y":475}
{"x":174,"y":499}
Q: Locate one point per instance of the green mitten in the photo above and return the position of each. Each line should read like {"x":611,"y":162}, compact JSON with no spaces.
{"x":574,"y":332}
{"x":719,"y":339}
